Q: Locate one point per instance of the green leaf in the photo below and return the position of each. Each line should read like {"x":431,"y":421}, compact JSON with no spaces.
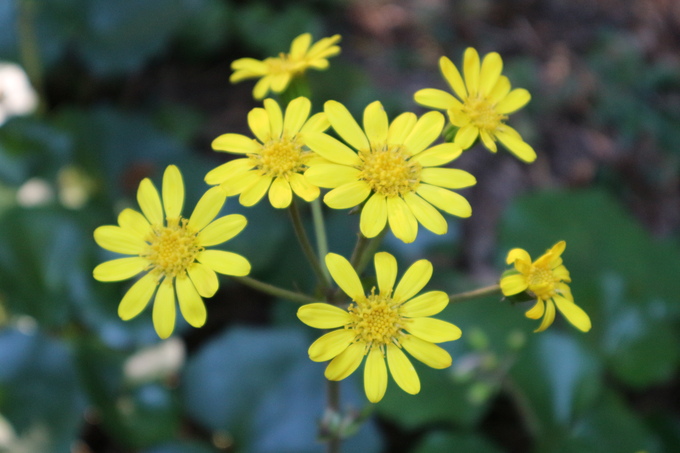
{"x":438,"y":442}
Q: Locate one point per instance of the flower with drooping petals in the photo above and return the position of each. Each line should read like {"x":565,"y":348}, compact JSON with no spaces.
{"x":546,"y":279}
{"x":276,"y":161}
{"x":380,"y":326}
{"x":484,"y":101}
{"x":171,"y":251}
{"x":394,"y":167}
{"x":275,"y":73}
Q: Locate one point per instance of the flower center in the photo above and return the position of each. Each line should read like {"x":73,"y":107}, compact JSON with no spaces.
{"x":282,"y":65}
{"x":376,"y":320}
{"x":173,"y":248}
{"x":280,"y":158}
{"x":388,"y":171}
{"x":483,"y":113}
{"x":542,"y":282}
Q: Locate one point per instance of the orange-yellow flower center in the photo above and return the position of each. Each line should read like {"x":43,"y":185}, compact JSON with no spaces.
{"x":482,"y":113}
{"x":389,"y":172}
{"x":542,"y":282}
{"x":173,"y":248}
{"x":280,"y":157}
{"x":376,"y":320}
{"x":283,"y":64}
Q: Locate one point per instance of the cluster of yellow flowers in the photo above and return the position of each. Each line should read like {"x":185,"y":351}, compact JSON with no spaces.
{"x":393,"y":170}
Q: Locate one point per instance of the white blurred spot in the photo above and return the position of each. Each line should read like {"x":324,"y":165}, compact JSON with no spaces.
{"x":34,"y":192}
{"x":17,"y":96}
{"x":156,"y":362}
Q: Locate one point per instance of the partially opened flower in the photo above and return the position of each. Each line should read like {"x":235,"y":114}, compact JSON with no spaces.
{"x":171,"y":251}
{"x":394,"y":168}
{"x":482,"y":103}
{"x":546,"y":279}
{"x":276,"y":161}
{"x":275,"y":73}
{"x":380,"y":326}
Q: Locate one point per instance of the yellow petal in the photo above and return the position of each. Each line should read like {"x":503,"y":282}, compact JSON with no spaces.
{"x":514,"y":101}
{"x":513,"y":284}
{"x":134,"y":222}
{"x":518,"y":254}
{"x":373,"y":216}
{"x":229,"y":170}
{"x":426,"y":214}
{"x":303,"y":188}
{"x":558,"y":248}
{"x":500,"y":90}
{"x":173,"y":192}
{"x":427,"y":304}
{"x":375,"y":376}
{"x":119,"y":240}
{"x":150,"y":202}
{"x":258,"y":122}
{"x":190,"y":302}
{"x":164,"y":309}
{"x":253,"y":194}
{"x":450,"y":178}
{"x":331,"y":175}
{"x":438,"y":155}
{"x":514,"y":143}
{"x":430,"y":354}
{"x":549,"y":316}
{"x":385,"y":271}
{"x":332,"y":149}
{"x":239,"y":183}
{"x":402,"y":370}
{"x":415,"y":278}
{"x":227,"y":263}
{"x":434,"y":330}
{"x":280,"y":193}
{"x":375,"y":123}
{"x":574,"y":314}
{"x":236,"y":143}
{"x":345,"y":125}
{"x":536,"y":311}
{"x":471,"y":70}
{"x":492,"y":66}
{"x":137,"y":297}
{"x":436,"y":99}
{"x":275,"y":114}
{"x":402,"y":221}
{"x":221,"y":230}
{"x":297,"y":113}
{"x":331,"y":344}
{"x":323,"y":316}
{"x":428,"y":128}
{"x":346,"y":363}
{"x":445,"y":200}
{"x":401,"y":127}
{"x":204,"y":279}
{"x":453,"y":78}
{"x":466,"y":136}
{"x":262,"y":87}
{"x":488,"y":141}
{"x":345,"y":276}
{"x":317,"y":123}
{"x":207,"y":208}
{"x":120,"y":269}
{"x":347,"y":195}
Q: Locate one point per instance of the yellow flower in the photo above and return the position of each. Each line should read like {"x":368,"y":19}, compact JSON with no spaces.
{"x":277,"y":161}
{"x":275,"y":73}
{"x":483,"y":104}
{"x":546,"y":278}
{"x":171,"y":251}
{"x":380,"y":326}
{"x":394,"y":169}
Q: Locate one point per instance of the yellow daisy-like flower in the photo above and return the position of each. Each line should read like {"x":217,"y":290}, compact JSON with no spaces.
{"x":276,"y":161}
{"x":484,"y":101}
{"x":394,"y":167}
{"x":171,"y":251}
{"x":546,"y":278}
{"x":380,"y":326}
{"x":275,"y":73}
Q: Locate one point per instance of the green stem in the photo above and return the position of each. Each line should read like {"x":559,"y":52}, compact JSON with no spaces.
{"x":275,"y":290}
{"x":29,"y":49}
{"x":364,"y":249}
{"x":493,"y":290}
{"x":321,"y":237}
{"x":306,"y":245}
{"x":333,"y":395}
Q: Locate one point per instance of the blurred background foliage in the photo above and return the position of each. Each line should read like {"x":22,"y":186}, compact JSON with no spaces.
{"x":129,"y":86}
